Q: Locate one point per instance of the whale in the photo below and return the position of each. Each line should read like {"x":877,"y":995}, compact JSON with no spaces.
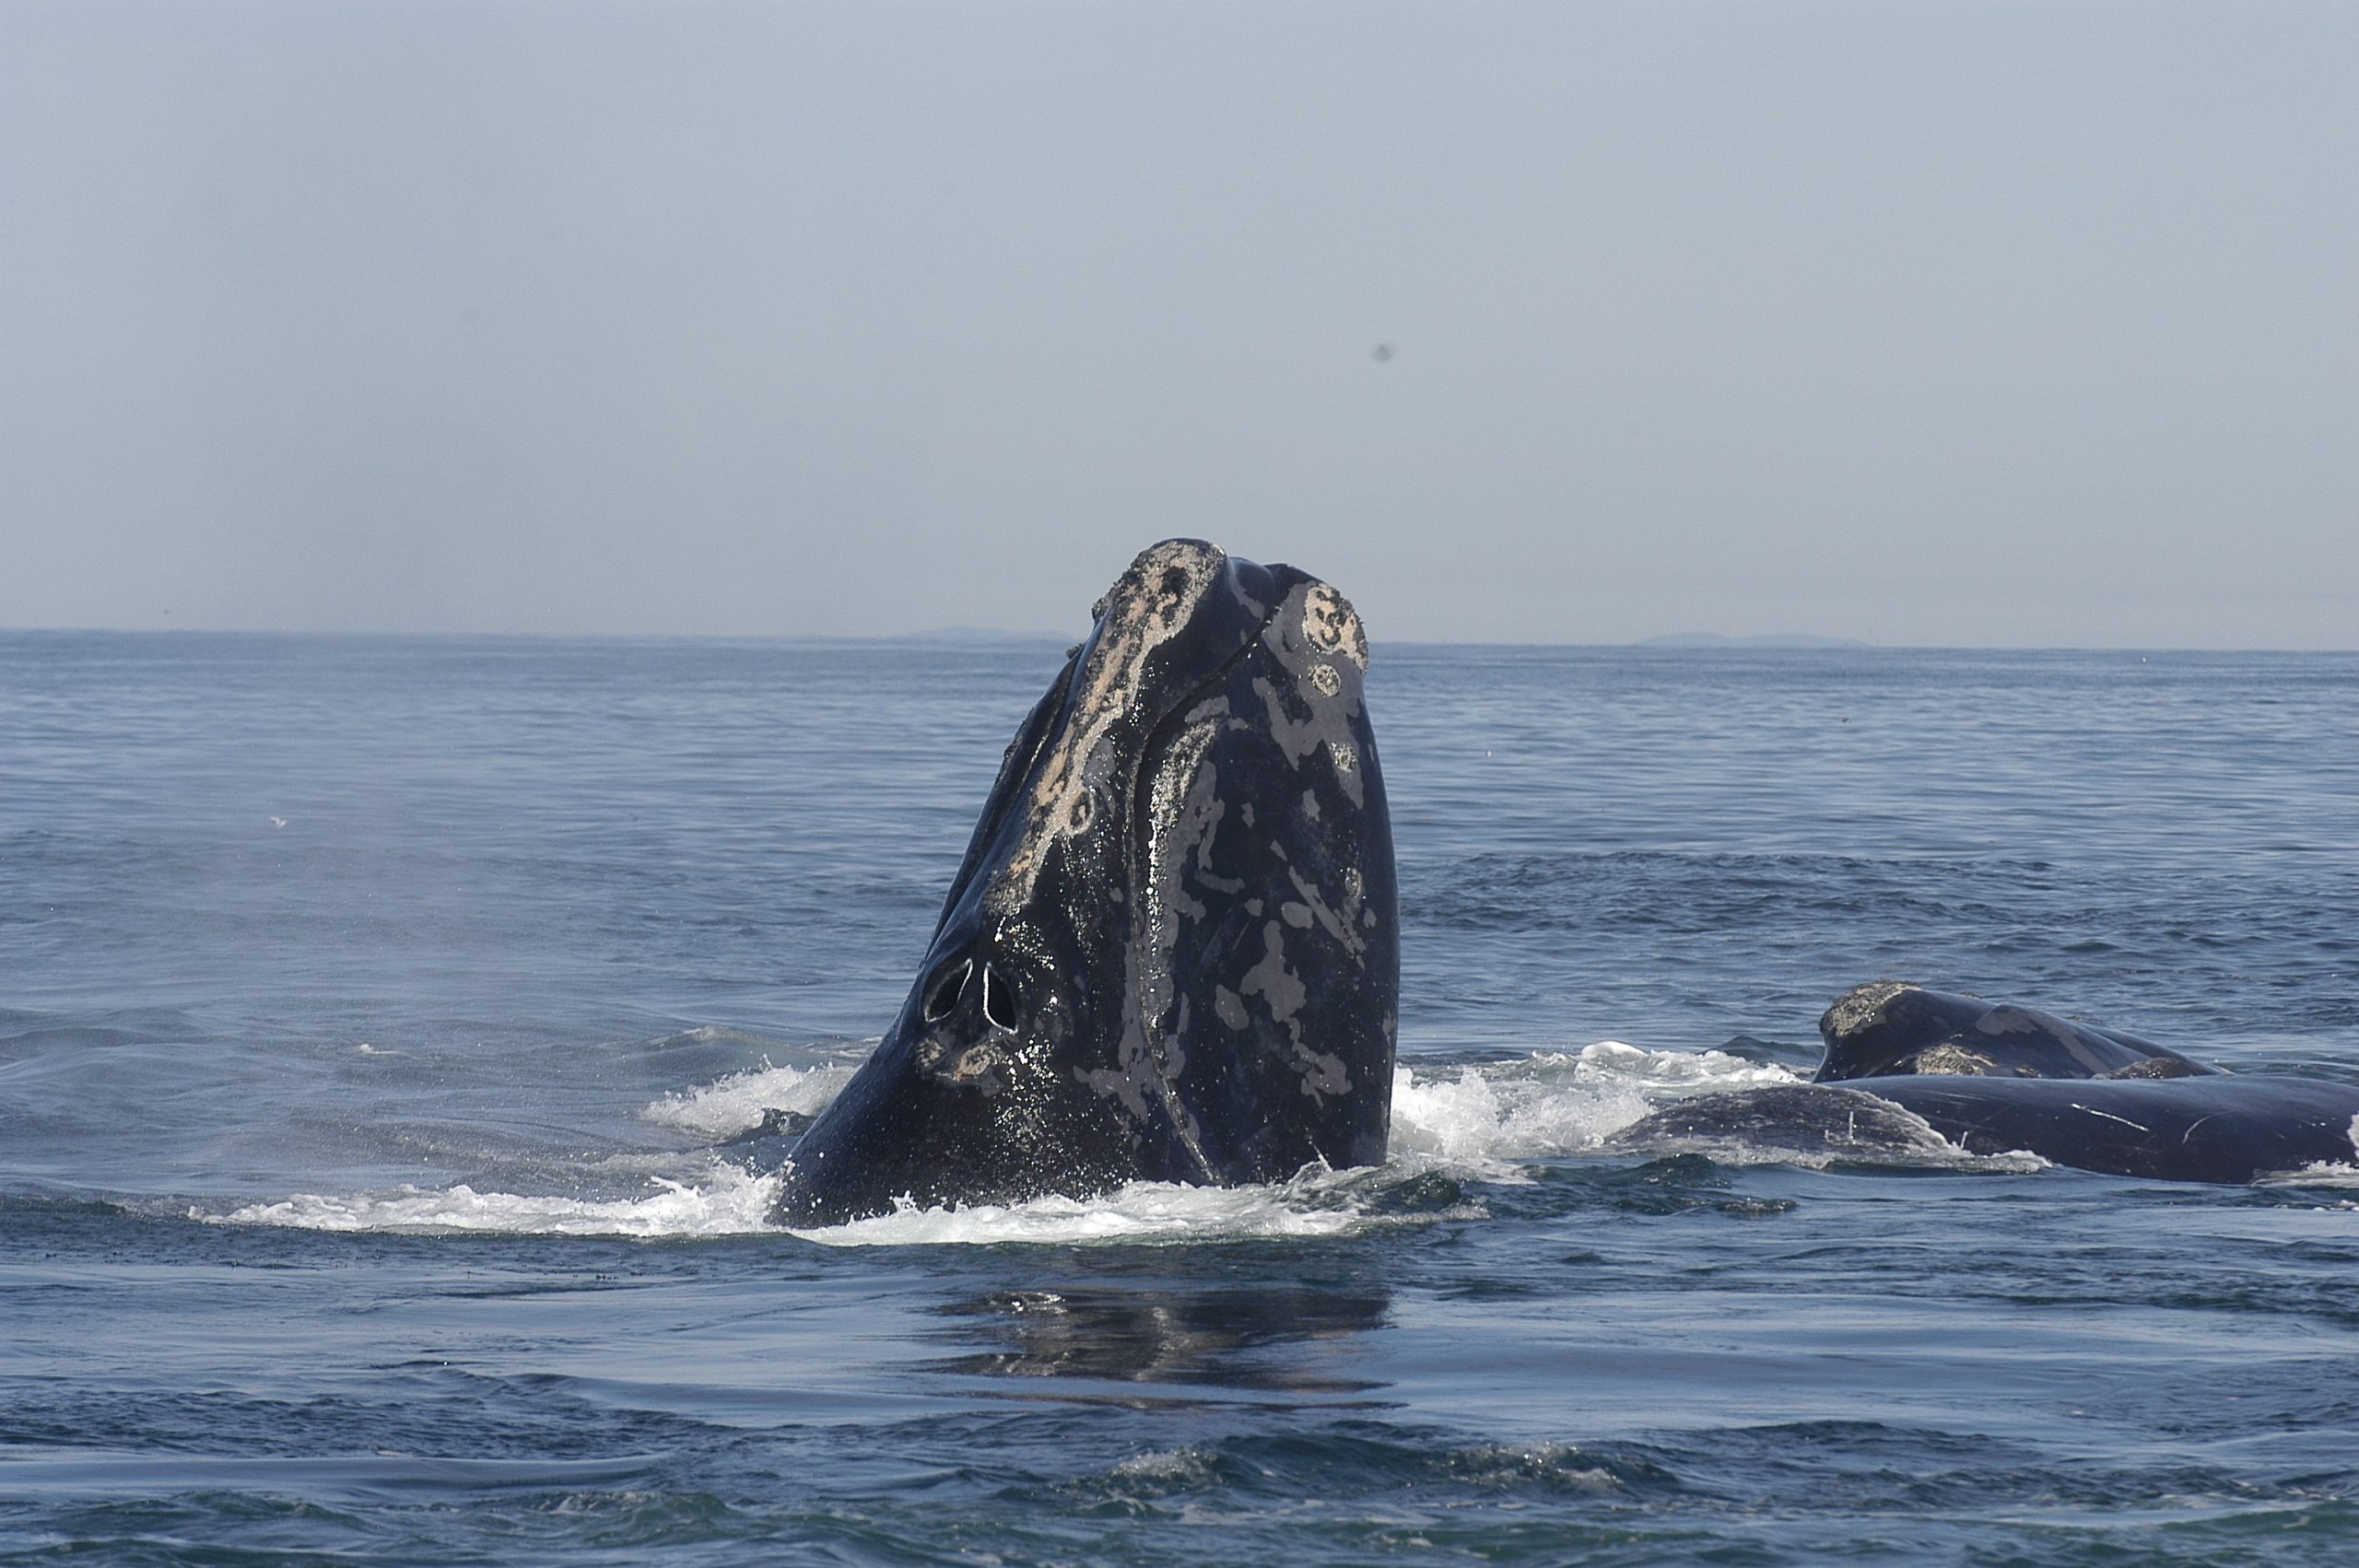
{"x":1172,"y":950}
{"x":1897,"y":1028}
{"x":1905,"y":1063}
{"x":1171,"y":953}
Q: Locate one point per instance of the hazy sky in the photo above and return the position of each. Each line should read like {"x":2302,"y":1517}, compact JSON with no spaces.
{"x":1980,"y":323}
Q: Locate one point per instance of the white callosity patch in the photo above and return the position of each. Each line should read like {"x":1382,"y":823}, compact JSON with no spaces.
{"x":1315,"y":709}
{"x":1332,"y":626}
{"x":741,"y":1102}
{"x":1153,"y":600}
{"x":1859,"y":1006}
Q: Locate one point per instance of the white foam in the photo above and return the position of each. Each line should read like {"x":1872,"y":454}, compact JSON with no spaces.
{"x":1663,"y":1072}
{"x":737,"y":1103}
{"x":1549,"y":1104}
{"x":1318,"y":1202}
{"x":2317,"y":1173}
{"x":1480,"y":1124}
{"x":725,"y":1201}
{"x":1925,"y":1151}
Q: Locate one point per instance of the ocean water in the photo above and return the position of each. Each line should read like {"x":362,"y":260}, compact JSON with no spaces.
{"x":383,"y":1023}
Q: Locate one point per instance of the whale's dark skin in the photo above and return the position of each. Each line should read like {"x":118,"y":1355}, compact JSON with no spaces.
{"x":1171,"y":951}
{"x":2002,"y":1079}
{"x":2213,"y":1128}
{"x":1891,"y":1028}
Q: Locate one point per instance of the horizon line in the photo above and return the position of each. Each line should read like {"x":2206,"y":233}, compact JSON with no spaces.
{"x":1665,"y":642}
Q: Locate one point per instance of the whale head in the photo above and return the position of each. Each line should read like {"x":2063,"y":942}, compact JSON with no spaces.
{"x":1171,"y":953}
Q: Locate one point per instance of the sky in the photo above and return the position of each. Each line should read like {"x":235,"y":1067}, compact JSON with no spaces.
{"x":1963,"y":324}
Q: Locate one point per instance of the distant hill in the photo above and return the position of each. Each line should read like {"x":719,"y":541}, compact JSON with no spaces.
{"x":1770,"y":639}
{"x":978,"y":634}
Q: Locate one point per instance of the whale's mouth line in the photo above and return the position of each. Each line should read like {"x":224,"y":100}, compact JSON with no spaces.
{"x":1139,"y":864}
{"x":1141,"y":810}
{"x":1042,"y":733}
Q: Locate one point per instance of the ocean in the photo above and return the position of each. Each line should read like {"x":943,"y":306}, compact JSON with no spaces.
{"x":383,"y":1024}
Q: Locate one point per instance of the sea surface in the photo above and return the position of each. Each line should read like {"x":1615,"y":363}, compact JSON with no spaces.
{"x":382,"y":1022}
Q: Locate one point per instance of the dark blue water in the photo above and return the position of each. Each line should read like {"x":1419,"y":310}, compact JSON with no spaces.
{"x":376,"y":1019}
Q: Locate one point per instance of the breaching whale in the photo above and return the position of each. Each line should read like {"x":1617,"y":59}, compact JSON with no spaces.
{"x":1996,"y":1079}
{"x":1171,"y":953}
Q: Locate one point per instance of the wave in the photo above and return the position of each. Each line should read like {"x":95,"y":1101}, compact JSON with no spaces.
{"x":1483,"y":1122}
{"x":723,"y":1201}
{"x":727,"y":1200}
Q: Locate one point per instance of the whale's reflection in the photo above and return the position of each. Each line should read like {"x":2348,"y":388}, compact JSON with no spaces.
{"x":1290,"y":1338}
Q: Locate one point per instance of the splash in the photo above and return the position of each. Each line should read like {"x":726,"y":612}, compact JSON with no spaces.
{"x":723,"y":1201}
{"x":2317,"y":1173}
{"x":1316,"y":1203}
{"x":1662,"y":1073}
{"x":727,"y":1201}
{"x":739,"y":1103}
{"x":1485,"y":1123}
{"x":1551,"y":1103}
{"x":2320,"y":1173}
